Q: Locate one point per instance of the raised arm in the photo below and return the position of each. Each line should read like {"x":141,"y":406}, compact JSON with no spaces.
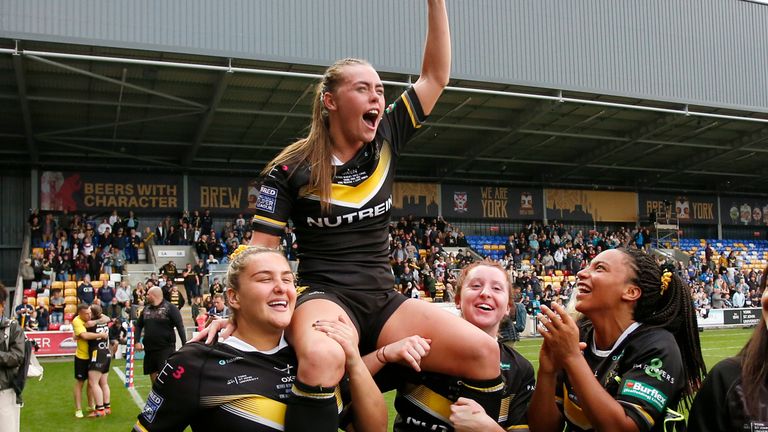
{"x":436,"y":65}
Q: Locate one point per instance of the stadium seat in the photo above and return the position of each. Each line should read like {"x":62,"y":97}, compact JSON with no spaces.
{"x":69,"y":312}
{"x":37,"y":251}
{"x":42,"y":301}
{"x":104,"y":277}
{"x":70,"y":300}
{"x":54,"y":327}
{"x":57,"y":285}
{"x":97,"y":284}
{"x":30,"y":293}
{"x":70,"y":292}
{"x":32,"y":301}
{"x":70,"y":284}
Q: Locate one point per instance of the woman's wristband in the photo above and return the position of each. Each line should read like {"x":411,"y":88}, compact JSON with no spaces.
{"x":381,"y":356}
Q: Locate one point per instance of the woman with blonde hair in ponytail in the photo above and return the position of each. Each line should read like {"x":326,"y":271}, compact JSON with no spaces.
{"x":629,"y":361}
{"x":336,"y":185}
{"x":734,"y":397}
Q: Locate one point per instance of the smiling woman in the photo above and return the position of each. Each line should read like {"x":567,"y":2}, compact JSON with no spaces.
{"x":641,"y":353}
{"x":243,"y":383}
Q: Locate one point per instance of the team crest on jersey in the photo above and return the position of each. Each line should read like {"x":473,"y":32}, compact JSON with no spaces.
{"x":267,"y":199}
{"x":460,"y":202}
{"x":154,"y":402}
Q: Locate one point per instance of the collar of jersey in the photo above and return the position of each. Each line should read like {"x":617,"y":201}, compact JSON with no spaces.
{"x":359,"y":195}
{"x":243,"y":346}
{"x":606,"y":353}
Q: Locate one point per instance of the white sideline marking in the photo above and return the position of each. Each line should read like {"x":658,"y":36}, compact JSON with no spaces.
{"x":134,"y":394}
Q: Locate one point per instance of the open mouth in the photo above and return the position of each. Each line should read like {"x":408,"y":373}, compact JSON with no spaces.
{"x":484,"y":306}
{"x":278,"y":304}
{"x":370,"y":117}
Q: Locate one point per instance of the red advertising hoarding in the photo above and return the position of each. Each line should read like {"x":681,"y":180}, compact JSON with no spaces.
{"x":54,"y":343}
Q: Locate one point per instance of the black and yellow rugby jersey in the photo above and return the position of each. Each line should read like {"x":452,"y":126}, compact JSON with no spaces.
{"x":719,"y":405}
{"x":349,"y":247}
{"x":423,"y":401}
{"x":98,"y":349}
{"x":219,"y":387}
{"x":643,"y":372}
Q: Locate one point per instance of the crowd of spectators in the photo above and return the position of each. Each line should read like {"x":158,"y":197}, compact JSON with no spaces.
{"x":426,"y":255}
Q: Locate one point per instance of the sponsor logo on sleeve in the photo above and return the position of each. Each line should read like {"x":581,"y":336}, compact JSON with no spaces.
{"x":267,"y":199}
{"x":154,"y":402}
{"x":645,"y":393}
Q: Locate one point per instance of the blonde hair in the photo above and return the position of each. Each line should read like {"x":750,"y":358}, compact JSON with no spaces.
{"x":316,"y":149}
{"x":238,"y":263}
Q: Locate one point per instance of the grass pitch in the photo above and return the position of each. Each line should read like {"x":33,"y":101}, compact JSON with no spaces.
{"x":49,"y":403}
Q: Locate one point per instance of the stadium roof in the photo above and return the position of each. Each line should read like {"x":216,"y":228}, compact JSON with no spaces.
{"x":78,"y":107}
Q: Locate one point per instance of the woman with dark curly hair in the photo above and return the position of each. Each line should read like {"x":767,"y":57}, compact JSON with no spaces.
{"x":630,"y":361}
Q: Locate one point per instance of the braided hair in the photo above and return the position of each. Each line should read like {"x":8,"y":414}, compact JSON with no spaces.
{"x":666,"y":302}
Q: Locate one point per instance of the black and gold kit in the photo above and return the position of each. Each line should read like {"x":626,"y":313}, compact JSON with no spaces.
{"x":98,"y":350}
{"x":225,"y":386}
{"x":423,"y":400}
{"x":719,"y":405}
{"x":643,"y":372}
{"x":348,"y":248}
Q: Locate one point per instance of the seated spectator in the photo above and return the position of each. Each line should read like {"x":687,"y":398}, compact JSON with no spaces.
{"x":57,"y":307}
{"x":31,"y":323}
{"x":42,"y":317}
{"x":67,"y":326}
{"x":108,"y":300}
{"x":123,"y":296}
{"x":23,"y":312}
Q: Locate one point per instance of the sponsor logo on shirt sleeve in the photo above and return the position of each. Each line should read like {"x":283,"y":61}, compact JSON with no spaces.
{"x":154,"y":402}
{"x":267,"y":199}
{"x":646,"y":393}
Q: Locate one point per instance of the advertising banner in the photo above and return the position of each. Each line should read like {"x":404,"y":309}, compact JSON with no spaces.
{"x":491,"y":202}
{"x":89,"y":191}
{"x":687,"y":209}
{"x":750,"y":316}
{"x":222,"y":195}
{"x":54,"y":343}
{"x":744,"y":211}
{"x":591,"y":206}
{"x":417,"y":199}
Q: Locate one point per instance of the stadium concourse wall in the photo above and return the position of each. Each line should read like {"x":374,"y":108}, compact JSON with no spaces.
{"x":698,"y":52}
{"x":158,"y":195}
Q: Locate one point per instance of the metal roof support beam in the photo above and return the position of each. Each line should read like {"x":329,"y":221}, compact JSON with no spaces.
{"x":529,"y":117}
{"x":606,"y":150}
{"x":109,"y":103}
{"x":218,"y":92}
{"x":741,"y":144}
{"x":684,"y":111}
{"x":113,"y":124}
{"x":21,"y":83}
{"x":119,"y":155}
{"x":114,"y":81}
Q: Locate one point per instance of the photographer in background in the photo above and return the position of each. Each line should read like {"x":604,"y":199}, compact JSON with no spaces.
{"x":11,"y":357}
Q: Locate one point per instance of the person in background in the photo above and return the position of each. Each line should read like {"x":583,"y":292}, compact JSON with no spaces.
{"x":157,"y":322}
{"x":98,"y":366}
{"x":734,"y":396}
{"x":85,"y":291}
{"x":42,"y":317}
{"x":11,"y":357}
{"x":57,"y":306}
{"x":82,"y":354}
